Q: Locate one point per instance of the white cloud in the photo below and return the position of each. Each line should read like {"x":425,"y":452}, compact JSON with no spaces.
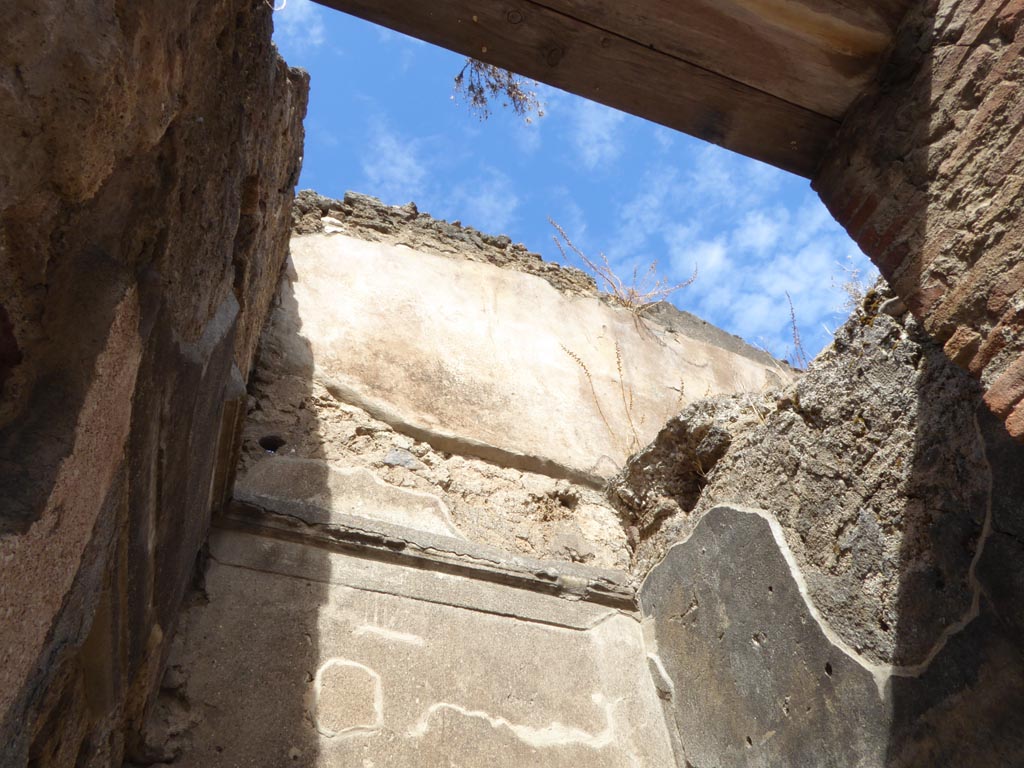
{"x":710,"y":257}
{"x":299,"y":24}
{"x":750,"y":257}
{"x":488,"y":203}
{"x":644,"y":217}
{"x":393,"y":168}
{"x":596,"y":133}
{"x":663,"y":137}
{"x":761,"y":230}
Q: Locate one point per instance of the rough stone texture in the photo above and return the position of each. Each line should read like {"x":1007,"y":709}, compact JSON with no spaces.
{"x":927,"y":175}
{"x":364,"y":663}
{"x":666,"y":479}
{"x":519,"y":511}
{"x":150,"y":151}
{"x":369,"y":219}
{"x":875,"y":464}
{"x":899,"y":500}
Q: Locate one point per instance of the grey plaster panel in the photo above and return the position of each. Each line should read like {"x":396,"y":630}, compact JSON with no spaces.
{"x":756,"y":680}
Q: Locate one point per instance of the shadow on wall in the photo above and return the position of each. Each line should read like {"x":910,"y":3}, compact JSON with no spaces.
{"x":250,"y":640}
{"x":964,"y":703}
{"x":917,"y":206}
{"x":134,"y":200}
{"x":926,"y":175}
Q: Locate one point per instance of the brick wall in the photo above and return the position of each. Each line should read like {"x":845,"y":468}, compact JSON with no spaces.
{"x":926,"y":174}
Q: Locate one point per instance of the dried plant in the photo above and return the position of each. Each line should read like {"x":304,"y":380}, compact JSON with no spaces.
{"x":633,"y":444}
{"x":854,"y":285}
{"x":627,"y":402}
{"x":479,"y":83}
{"x":799,"y":357}
{"x":642,"y":292}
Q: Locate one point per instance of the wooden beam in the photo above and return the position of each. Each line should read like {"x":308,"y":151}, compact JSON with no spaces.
{"x":816,"y":53}
{"x":560,"y":50}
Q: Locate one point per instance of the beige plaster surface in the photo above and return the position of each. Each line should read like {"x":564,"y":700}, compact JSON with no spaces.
{"x":350,"y":491}
{"x":494,"y":361}
{"x":365,"y":664}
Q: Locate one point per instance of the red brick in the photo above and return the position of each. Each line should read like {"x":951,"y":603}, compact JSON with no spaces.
{"x":1008,"y":389}
{"x":1005,"y":289}
{"x":962,"y":346}
{"x":859,"y":219}
{"x":1015,"y":422}
{"x":930,"y":224}
{"x":994,"y":343}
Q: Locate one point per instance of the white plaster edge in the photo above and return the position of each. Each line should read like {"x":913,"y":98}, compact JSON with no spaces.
{"x":443,"y":514}
{"x":555,"y":734}
{"x":388,"y":634}
{"x":881,"y":673}
{"x":442,"y":508}
{"x":378,"y":700}
{"x":662,"y":680}
{"x":914,"y":670}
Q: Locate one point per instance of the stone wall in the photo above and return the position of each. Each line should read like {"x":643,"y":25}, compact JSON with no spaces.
{"x":927,"y":175}
{"x":150,"y":153}
{"x":498,"y":386}
{"x":836,"y":576}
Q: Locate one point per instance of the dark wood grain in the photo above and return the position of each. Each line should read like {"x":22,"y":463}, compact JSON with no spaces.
{"x":818,"y":54}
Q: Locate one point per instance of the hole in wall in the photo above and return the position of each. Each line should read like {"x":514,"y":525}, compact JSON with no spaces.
{"x":272,"y":443}
{"x":10,"y":354}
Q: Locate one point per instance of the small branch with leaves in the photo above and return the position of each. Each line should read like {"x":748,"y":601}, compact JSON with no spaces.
{"x":480,"y":83}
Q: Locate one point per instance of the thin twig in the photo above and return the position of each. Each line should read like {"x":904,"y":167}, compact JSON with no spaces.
{"x":627,"y":404}
{"x":642,"y":293}
{"x":799,"y":354}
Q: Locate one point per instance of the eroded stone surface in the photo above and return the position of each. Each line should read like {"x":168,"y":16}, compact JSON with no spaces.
{"x":899,"y":499}
{"x":492,"y":361}
{"x":150,"y":150}
{"x":369,"y":219}
{"x":468,"y":384}
{"x":876,"y":464}
{"x":522,"y":512}
{"x":352,"y":491}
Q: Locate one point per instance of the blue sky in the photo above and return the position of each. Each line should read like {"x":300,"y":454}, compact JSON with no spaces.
{"x":382,"y":121}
